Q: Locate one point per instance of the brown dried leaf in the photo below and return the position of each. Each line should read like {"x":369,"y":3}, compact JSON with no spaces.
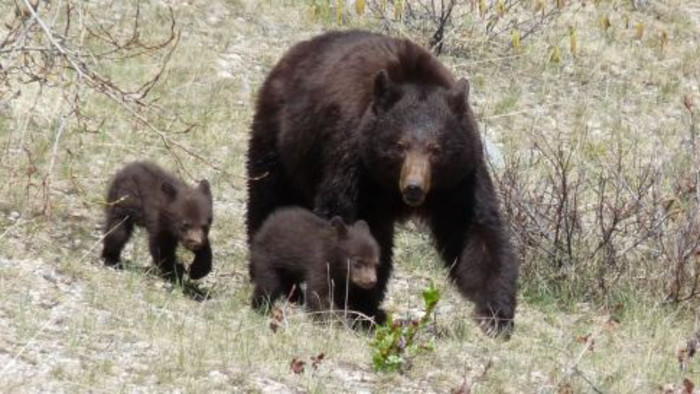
{"x":297,"y":365}
{"x":587,"y":339}
{"x":611,"y":325}
{"x":693,"y":343}
{"x":565,"y":388}
{"x":276,"y":319}
{"x":464,"y":388}
{"x":663,"y":39}
{"x":688,"y":102}
{"x":688,"y":386}
{"x":682,"y":356}
{"x":317,"y":360}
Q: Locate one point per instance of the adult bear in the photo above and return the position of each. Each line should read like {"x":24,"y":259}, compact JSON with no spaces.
{"x":370,"y":127}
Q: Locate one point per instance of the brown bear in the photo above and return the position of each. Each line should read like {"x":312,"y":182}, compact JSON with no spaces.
{"x":370,"y":127}
{"x":294,"y":246}
{"x":145,"y":195}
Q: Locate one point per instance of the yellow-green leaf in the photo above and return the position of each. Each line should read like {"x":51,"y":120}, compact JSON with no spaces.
{"x":515,"y":37}
{"x":500,"y":8}
{"x":340,"y":11}
{"x":398,"y":9}
{"x":538,"y":6}
{"x":639,"y":31}
{"x":360,"y":7}
{"x":573,"y":41}
{"x":556,"y":55}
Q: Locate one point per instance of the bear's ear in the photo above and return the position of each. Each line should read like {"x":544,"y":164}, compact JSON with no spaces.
{"x":458,"y":96}
{"x":169,"y":190}
{"x":362,"y":225}
{"x":204,"y":187}
{"x":386,"y":92}
{"x":340,"y":227}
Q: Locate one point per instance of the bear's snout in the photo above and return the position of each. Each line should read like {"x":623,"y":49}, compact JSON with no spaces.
{"x":193,"y":240}
{"x":415,"y":178}
{"x":368,"y":283}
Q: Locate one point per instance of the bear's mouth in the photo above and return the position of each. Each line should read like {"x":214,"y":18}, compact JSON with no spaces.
{"x":366,"y":285}
{"x":413,"y":196}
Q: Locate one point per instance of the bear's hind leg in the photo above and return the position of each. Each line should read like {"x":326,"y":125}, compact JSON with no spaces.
{"x":268,"y":188}
{"x":268,"y":288}
{"x":117,"y":233}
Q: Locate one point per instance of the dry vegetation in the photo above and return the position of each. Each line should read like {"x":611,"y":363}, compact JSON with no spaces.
{"x":590,"y":109}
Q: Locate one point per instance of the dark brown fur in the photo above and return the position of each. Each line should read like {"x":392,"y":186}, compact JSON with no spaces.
{"x":295,"y":246}
{"x":172,"y":212}
{"x":370,"y":127}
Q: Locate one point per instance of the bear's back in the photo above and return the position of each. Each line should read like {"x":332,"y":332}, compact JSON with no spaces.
{"x":292,"y":239}
{"x":338,"y":69}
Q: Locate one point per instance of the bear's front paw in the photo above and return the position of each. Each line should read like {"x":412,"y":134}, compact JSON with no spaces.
{"x":380,"y":317}
{"x":201,"y":265}
{"x":496,"y":324}
{"x":198,"y":271}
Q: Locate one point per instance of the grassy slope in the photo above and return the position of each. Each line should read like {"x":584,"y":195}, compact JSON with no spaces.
{"x":67,"y":323}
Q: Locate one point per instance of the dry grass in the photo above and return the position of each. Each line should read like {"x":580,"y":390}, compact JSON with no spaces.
{"x":69,"y":324}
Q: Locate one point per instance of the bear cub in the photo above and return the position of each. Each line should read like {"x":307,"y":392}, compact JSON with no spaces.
{"x":294,"y":245}
{"x":145,"y":195}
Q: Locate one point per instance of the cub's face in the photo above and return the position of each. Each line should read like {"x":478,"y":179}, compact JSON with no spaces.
{"x":421,"y":140}
{"x":361,"y":250}
{"x":363,"y":269}
{"x":190,"y":213}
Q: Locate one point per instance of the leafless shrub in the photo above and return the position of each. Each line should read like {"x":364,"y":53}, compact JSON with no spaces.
{"x":64,"y":49}
{"x":447,"y":23}
{"x":610,"y":219}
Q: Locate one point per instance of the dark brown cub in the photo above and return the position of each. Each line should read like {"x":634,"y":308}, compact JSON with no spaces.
{"x":145,"y":195}
{"x":335,"y":260}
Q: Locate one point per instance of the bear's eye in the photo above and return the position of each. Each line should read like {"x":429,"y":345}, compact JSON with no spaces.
{"x":433,"y":147}
{"x":401,"y":146}
{"x":185,"y":225}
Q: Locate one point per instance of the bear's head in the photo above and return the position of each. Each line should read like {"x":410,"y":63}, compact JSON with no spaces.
{"x":359,"y":251}
{"x":189,"y":213}
{"x":419,"y":137}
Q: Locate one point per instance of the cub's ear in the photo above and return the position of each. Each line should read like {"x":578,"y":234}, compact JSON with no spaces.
{"x":340,"y":227}
{"x":458,"y":96}
{"x":386,"y":92}
{"x":204,"y":187}
{"x":362,"y":225}
{"x":169,"y":190}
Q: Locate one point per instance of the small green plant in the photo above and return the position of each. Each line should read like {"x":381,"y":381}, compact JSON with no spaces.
{"x":395,"y":341}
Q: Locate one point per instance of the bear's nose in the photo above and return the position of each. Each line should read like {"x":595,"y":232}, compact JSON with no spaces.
{"x":193,"y":244}
{"x":413,"y":195}
{"x":368,"y":284}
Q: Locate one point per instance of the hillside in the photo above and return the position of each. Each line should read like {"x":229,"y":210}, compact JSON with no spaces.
{"x":590,"y":110}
